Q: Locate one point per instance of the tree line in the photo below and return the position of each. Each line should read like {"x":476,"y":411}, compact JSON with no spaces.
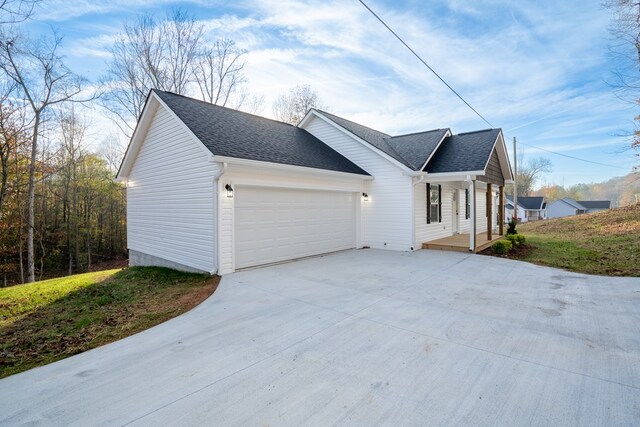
{"x":61,"y":210}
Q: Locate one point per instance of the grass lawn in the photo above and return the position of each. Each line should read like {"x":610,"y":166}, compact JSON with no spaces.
{"x":606,"y":243}
{"x":49,"y":320}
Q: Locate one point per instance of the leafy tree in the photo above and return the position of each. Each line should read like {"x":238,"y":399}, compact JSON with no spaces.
{"x":40,"y":75}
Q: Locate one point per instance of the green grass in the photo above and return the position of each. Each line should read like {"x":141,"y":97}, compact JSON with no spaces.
{"x":46,"y":321}
{"x":605,"y":243}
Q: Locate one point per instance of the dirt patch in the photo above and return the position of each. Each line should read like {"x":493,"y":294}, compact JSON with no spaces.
{"x":519,"y":252}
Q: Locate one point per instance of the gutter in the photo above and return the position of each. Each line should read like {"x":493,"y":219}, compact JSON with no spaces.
{"x":216,"y":224}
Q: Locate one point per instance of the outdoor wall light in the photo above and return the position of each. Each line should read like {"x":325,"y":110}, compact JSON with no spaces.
{"x":365,"y":196}
{"x":229,"y":189}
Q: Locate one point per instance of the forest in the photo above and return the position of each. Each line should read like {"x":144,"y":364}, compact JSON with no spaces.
{"x":61,"y":209}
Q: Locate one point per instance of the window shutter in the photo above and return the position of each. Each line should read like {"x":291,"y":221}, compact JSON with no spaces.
{"x":439,"y":203}
{"x":428,"y":203}
{"x":466,"y":203}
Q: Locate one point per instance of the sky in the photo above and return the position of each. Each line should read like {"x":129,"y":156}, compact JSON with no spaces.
{"x":540,"y":70}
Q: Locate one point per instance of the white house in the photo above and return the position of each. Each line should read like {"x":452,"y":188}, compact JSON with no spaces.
{"x":529,"y":208}
{"x":568,"y":207}
{"x":214,"y":190}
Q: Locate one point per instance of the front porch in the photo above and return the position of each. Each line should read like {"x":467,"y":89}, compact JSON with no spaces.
{"x":460,"y":242}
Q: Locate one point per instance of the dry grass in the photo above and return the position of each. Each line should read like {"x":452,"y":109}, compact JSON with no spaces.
{"x":49,"y":320}
{"x":606,"y":243}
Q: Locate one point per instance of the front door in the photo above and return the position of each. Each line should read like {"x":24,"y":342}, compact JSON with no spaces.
{"x":455,"y":207}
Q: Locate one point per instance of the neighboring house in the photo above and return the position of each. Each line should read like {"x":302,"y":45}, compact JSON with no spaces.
{"x":529,"y":208}
{"x":568,"y":206}
{"x":596,"y":205}
{"x":213,"y":189}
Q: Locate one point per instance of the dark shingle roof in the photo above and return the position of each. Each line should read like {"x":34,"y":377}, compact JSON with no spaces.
{"x":416,"y":148}
{"x":412,"y":150}
{"x":232,"y":133}
{"x":531,"y":203}
{"x":596,"y":204}
{"x":463,"y":152}
{"x":372,"y":136}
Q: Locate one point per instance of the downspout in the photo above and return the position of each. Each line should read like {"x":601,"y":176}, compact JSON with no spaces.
{"x":216,"y":210}
{"x":413,"y":209}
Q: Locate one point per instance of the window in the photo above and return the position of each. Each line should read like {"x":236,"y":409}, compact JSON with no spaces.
{"x":467,"y":204}
{"x":434,"y":203}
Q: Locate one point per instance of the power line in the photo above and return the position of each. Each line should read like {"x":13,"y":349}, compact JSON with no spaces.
{"x":424,"y":62}
{"x":573,"y":157}
{"x":466,"y":103}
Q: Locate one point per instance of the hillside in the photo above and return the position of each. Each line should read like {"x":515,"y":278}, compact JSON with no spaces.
{"x":606,"y":243}
{"x":621,"y":190}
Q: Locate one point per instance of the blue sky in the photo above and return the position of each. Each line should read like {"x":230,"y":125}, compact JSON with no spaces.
{"x":537,"y":69}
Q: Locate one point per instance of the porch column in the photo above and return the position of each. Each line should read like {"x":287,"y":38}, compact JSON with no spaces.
{"x":489,"y":212}
{"x":472,"y":223}
{"x":501,"y":210}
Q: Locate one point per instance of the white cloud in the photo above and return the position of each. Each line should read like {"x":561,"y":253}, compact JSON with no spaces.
{"x":533,"y":68}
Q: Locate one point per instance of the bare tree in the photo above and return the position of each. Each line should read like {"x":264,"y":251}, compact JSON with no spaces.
{"x":529,"y":174}
{"x":217,"y":71}
{"x":291,"y":107}
{"x":73,"y":129}
{"x":150,"y":54}
{"x":112,"y":151}
{"x":15,"y":11}
{"x":625,"y":46}
{"x":38,"y":71}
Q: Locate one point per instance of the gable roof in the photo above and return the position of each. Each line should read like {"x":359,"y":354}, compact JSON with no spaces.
{"x":231,"y":133}
{"x":530,"y":203}
{"x":412,"y":150}
{"x":463,"y":152}
{"x":573,"y":203}
{"x":596,"y":204}
{"x":418,"y":147}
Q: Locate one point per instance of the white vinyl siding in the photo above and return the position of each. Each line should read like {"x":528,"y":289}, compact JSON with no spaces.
{"x":170,"y":197}
{"x":279,"y":224}
{"x":387,"y":215}
{"x":560,"y":208}
{"x":436,"y":230}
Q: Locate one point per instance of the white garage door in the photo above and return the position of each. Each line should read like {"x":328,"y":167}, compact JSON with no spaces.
{"x":273,"y":224}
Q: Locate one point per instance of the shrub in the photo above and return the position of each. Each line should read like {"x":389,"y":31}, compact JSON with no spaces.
{"x":516,"y":239}
{"x":501,"y":247}
{"x":511,"y":229}
{"x":513,"y":239}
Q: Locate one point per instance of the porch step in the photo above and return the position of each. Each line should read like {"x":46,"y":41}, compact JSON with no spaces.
{"x":443,"y":247}
{"x":460,"y":242}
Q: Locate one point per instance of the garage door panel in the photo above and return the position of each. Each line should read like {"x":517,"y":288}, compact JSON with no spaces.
{"x":280,"y":224}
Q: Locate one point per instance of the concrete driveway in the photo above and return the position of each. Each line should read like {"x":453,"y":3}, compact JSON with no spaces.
{"x":362,"y":338}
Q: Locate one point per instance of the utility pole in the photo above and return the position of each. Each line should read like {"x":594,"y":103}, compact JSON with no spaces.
{"x":515,"y":184}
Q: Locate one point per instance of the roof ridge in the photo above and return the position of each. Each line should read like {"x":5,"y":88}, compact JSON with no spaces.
{"x":417,"y":133}
{"x":476,"y":131}
{"x":209,"y":104}
{"x":351,"y":121}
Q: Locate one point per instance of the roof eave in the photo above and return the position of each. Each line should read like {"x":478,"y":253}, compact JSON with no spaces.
{"x":291,"y":168}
